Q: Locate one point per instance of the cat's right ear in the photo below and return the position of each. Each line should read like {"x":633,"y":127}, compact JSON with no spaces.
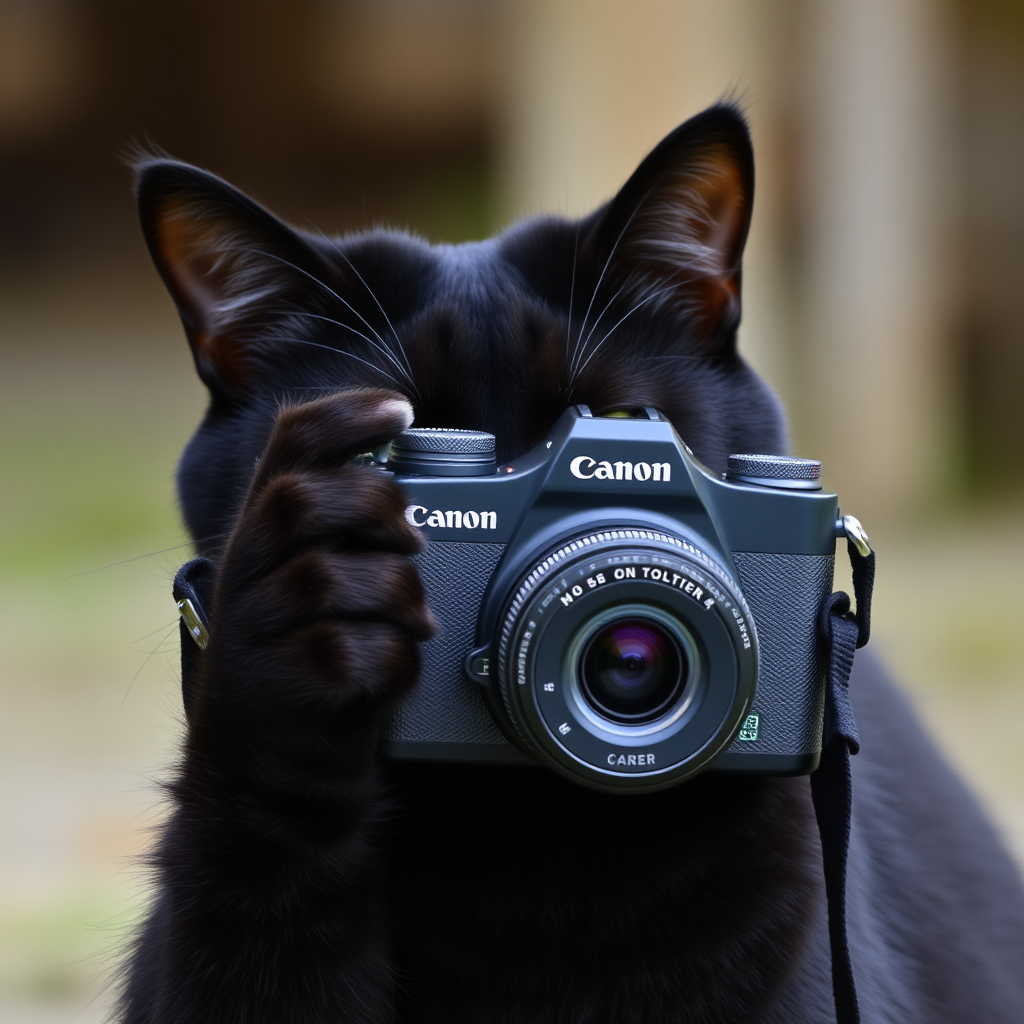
{"x":675,"y":233}
{"x":230,"y":266}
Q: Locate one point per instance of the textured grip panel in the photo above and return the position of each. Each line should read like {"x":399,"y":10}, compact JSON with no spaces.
{"x":784,"y":593}
{"x":446,"y":707}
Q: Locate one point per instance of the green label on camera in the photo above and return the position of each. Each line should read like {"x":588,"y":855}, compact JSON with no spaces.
{"x":750,"y":728}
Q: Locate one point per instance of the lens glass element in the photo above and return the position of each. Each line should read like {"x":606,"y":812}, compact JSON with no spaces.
{"x":632,"y":670}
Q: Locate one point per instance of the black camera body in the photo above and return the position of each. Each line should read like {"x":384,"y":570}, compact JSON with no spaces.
{"x":612,"y":609}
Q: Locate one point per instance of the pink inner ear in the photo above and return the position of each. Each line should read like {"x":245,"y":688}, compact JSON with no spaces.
{"x":196,"y":276}
{"x":726,"y":226}
{"x":188,"y":252}
{"x":199,"y":275}
{"x":686,"y":241}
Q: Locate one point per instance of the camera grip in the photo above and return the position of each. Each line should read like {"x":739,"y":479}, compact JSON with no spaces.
{"x":785,"y":593}
{"x":446,"y":707}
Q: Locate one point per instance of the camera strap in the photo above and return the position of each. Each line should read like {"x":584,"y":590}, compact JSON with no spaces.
{"x":842,"y":632}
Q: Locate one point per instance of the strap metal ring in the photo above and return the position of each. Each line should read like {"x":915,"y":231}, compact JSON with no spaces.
{"x":857,"y":535}
{"x":193,"y":623}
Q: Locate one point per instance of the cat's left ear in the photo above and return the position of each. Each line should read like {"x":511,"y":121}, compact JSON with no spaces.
{"x":230,"y":265}
{"x":674,"y":235}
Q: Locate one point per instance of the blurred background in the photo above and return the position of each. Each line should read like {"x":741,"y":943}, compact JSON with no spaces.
{"x":884,"y":301}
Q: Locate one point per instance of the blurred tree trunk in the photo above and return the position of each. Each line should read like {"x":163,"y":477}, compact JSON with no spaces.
{"x":990,"y":358}
{"x":876,"y":277}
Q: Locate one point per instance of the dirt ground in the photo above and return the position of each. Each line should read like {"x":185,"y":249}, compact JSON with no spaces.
{"x":97,"y":396}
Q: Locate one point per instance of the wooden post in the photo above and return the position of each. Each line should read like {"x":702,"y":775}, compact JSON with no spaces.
{"x":876,"y":286}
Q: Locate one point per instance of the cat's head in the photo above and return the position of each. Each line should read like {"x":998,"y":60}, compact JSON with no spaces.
{"x":636,"y":304}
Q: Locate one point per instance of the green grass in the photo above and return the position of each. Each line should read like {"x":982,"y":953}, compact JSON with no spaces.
{"x":93,"y":414}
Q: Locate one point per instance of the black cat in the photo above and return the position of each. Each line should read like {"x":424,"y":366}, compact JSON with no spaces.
{"x":300,"y":879}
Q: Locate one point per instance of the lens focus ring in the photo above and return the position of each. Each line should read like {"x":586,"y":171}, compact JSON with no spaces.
{"x":626,"y":643}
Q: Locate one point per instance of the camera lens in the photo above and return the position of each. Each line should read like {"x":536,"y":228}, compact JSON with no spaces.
{"x":627,"y":659}
{"x":632,"y":669}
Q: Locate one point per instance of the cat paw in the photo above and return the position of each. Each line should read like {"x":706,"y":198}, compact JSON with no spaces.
{"x":317,"y":607}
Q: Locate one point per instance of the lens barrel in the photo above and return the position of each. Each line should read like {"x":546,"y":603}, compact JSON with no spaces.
{"x":627,"y":659}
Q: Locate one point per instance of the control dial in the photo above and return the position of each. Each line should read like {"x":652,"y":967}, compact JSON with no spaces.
{"x":438,"y":451}
{"x":775,"y":471}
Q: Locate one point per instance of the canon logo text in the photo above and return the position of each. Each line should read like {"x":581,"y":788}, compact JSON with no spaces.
{"x":583,"y":467}
{"x":451,"y":519}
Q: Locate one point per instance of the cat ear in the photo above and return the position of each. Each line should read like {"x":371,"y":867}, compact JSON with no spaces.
{"x":230,"y":266}
{"x":674,"y":235}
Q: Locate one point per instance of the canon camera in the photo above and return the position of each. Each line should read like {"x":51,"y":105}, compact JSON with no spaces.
{"x":612,"y":609}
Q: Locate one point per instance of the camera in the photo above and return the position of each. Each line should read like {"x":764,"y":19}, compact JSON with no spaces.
{"x":612,"y":609}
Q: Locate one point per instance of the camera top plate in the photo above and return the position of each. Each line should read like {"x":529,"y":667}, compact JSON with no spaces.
{"x":625,"y":463}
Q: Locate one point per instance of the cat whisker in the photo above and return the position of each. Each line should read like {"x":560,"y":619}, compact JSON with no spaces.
{"x":600,"y":316}
{"x":345,"y":303}
{"x":343,"y":352}
{"x":572,"y":291}
{"x":337,"y":248}
{"x":386,"y":352}
{"x":148,"y":635}
{"x":326,"y":287}
{"x":149,"y":656}
{"x":148,"y":554}
{"x":647,"y":298}
{"x":604,"y":270}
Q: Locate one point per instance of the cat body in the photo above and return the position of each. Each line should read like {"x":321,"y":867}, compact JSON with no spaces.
{"x":301,"y":877}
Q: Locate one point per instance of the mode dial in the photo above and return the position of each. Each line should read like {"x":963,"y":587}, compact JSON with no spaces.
{"x":439,"y":451}
{"x":775,"y":471}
